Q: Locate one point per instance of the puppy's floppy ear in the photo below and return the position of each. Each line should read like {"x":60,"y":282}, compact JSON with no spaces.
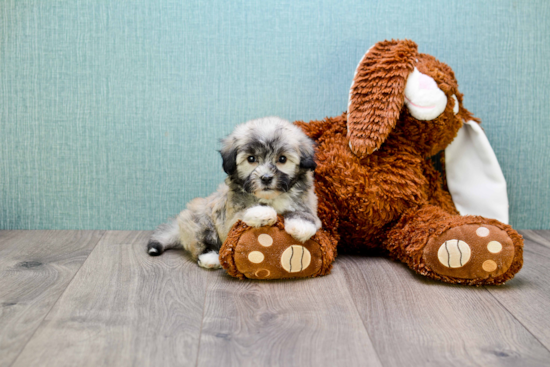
{"x":229,"y":160}
{"x":307,"y":157}
{"x":229,"y":155}
{"x":377,"y":94}
{"x":308,"y":162}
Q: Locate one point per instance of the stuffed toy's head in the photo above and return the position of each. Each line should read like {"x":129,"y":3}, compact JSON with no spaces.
{"x":413,"y":97}
{"x":398,"y":90}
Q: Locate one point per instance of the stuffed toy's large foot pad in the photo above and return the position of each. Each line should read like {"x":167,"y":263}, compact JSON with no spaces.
{"x":271,"y":253}
{"x":470,"y":251}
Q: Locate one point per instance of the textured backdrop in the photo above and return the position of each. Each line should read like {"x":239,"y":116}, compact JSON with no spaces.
{"x":110,"y":112}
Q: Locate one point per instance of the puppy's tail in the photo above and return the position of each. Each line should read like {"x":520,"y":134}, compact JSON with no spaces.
{"x":165,"y":237}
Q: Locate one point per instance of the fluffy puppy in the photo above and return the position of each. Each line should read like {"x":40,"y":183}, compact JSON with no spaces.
{"x":269,"y":164}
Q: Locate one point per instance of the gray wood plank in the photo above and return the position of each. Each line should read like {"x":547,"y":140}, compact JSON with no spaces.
{"x":124,"y":308}
{"x":35,"y":269}
{"x":536,"y":238}
{"x":308,"y":322}
{"x":415,"y":321}
{"x":527,"y":296}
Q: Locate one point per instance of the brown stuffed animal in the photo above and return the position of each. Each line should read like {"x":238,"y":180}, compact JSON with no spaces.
{"x":379,"y":191}
{"x":271,"y":253}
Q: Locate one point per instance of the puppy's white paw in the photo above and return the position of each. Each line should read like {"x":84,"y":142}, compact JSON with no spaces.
{"x":209,"y":260}
{"x":259,"y":216}
{"x":300,"y":229}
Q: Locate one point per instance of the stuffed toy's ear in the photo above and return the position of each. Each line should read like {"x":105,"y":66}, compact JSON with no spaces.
{"x":377,"y":94}
{"x":474,"y":177}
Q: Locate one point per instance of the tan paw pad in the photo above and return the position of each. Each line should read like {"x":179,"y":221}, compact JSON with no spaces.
{"x":489,"y":266}
{"x":494,"y":247}
{"x":262,"y":273}
{"x":295,"y":258}
{"x":454,"y":253}
{"x":265,"y":240}
{"x":256,"y":257}
{"x":482,"y":231}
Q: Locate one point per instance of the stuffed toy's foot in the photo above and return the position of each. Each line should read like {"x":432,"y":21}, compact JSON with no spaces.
{"x":271,"y":253}
{"x":470,"y":251}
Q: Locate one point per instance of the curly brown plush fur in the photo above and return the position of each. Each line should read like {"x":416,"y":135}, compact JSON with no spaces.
{"x":384,"y":193}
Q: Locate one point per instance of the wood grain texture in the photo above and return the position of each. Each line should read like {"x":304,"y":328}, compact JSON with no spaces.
{"x":35,"y":269}
{"x":415,"y":321}
{"x":64,"y":306}
{"x":306,"y":322}
{"x":124,"y":308}
{"x":527,"y":296}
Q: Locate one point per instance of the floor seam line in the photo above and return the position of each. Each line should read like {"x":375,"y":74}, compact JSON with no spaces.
{"x":360,"y":318}
{"x":518,"y":320}
{"x":529,"y":234}
{"x":202,"y":319}
{"x":57,"y":300}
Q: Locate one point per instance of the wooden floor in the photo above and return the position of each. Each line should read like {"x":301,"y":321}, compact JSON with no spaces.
{"x":94,"y":298}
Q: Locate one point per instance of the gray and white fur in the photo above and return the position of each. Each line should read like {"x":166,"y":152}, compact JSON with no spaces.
{"x":269,"y":164}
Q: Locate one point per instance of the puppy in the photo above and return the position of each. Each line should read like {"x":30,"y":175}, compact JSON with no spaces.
{"x":269,"y":164}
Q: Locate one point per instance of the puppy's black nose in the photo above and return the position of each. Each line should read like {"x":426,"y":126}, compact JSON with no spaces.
{"x":266,"y":179}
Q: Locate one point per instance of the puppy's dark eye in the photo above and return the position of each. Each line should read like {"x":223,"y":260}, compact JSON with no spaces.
{"x":251,"y":159}
{"x":282,"y":159}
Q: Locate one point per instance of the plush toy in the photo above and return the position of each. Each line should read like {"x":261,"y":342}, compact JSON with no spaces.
{"x":271,"y":253}
{"x":378,"y":189}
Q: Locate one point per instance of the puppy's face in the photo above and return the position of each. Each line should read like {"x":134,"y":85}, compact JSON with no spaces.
{"x":266,"y":168}
{"x":267,"y":157}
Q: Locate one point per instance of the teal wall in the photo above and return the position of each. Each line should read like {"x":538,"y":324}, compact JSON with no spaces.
{"x":111,"y":111}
